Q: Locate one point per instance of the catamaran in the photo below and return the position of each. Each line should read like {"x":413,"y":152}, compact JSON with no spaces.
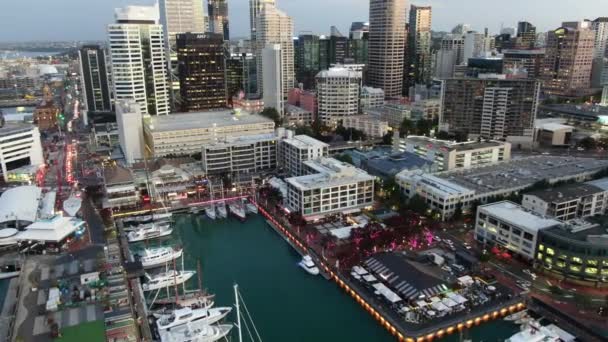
{"x":147,"y":218}
{"x":166,"y":279}
{"x":221,"y":209}
{"x":308,"y":265}
{"x":238,"y":210}
{"x":196,"y":333}
{"x":210,"y":211}
{"x":152,"y":232}
{"x":156,"y":257}
{"x":188,"y":315}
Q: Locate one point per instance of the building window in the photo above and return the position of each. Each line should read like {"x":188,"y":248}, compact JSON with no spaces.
{"x":550,"y":251}
{"x":592,"y":262}
{"x":591,"y":270}
{"x":560,"y":264}
{"x":541,"y":247}
{"x":577,"y":260}
{"x":575,"y":268}
{"x":540,"y":256}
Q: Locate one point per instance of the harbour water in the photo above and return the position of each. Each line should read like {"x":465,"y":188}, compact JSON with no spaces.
{"x":12,"y":54}
{"x":286,"y":303}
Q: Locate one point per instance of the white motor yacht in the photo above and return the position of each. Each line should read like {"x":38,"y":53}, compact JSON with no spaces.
{"x":147,"y":218}
{"x":238,"y":210}
{"x":188,"y":315}
{"x":152,"y":232}
{"x":166,"y":279}
{"x":535,"y":332}
{"x":155,"y":257}
{"x":308,"y":265}
{"x":252,"y":208}
{"x":132,"y":226}
{"x":210,"y":211}
{"x":196,"y":333}
{"x":8,"y":237}
{"x":516,"y":316}
{"x":221,"y":209}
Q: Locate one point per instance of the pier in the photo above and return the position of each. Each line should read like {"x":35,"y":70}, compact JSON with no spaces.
{"x":394,"y":324}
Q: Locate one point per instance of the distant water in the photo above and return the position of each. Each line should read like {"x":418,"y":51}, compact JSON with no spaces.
{"x":12,"y":54}
{"x":286,"y":303}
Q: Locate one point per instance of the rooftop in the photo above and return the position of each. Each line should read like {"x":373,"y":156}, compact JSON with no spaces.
{"x":117,"y":175}
{"x":14,"y":127}
{"x":566,"y":193}
{"x":593,"y":234}
{"x":452,"y":145}
{"x":552,"y":126}
{"x":201,"y":120}
{"x":294,"y":109}
{"x":339,"y":72}
{"x":304,"y":141}
{"x":390,"y":165}
{"x":516,"y":215}
{"x":52,"y":230}
{"x":521,"y":173}
{"x":601,"y":183}
{"x":20,"y":204}
{"x":330,"y":172}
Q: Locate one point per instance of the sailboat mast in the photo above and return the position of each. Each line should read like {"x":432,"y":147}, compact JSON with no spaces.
{"x":184,"y":283}
{"x":200,"y":275}
{"x":238,"y":311}
{"x":175,"y":282}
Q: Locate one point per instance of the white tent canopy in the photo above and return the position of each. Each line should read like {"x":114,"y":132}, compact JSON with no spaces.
{"x":387,"y":293}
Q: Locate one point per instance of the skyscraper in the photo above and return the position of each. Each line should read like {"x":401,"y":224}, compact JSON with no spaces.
{"x":358,"y":43}
{"x":200,"y":59}
{"x":240,"y":74}
{"x":272,"y":77}
{"x":599,"y":73}
{"x":418,"y":56}
{"x":386,"y":45}
{"x":491,"y":107}
{"x":338,"y":47}
{"x":255,"y":6}
{"x":275,"y":27}
{"x":94,"y":76}
{"x":568,"y":60}
{"x":307,"y":59}
{"x":139,"y":66}
{"x":181,"y":16}
{"x":526,"y":35}
{"x":338,"y":92}
{"x":218,"y":17}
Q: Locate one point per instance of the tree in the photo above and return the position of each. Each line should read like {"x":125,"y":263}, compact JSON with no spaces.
{"x":418,"y":204}
{"x":407,"y":127}
{"x":387,"y":139}
{"x":442,"y":135}
{"x":423,"y":127}
{"x":588,"y":143}
{"x":457,"y":212}
{"x":273,"y":114}
{"x":350,"y":134}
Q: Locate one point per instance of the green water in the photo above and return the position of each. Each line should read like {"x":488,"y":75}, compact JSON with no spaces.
{"x":286,"y":303}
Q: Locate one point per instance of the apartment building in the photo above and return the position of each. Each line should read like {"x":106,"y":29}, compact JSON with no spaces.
{"x":371,"y":126}
{"x":241,"y":155}
{"x":296,"y":150}
{"x":567,"y":202}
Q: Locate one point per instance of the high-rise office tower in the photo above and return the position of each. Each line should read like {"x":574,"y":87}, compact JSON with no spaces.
{"x":324,"y":52}
{"x":255,"y":6}
{"x":181,"y":16}
{"x":96,"y":89}
{"x":418,"y":55}
{"x":358,"y":42}
{"x":526,"y":35}
{"x":491,"y":107}
{"x":218,"y":17}
{"x":474,"y":45}
{"x":599,"y":72}
{"x":275,"y":27}
{"x":449,"y":55}
{"x":272,"y":77}
{"x":338,"y":92}
{"x":200,"y":59}
{"x":338,"y":47}
{"x":386,"y":45}
{"x":307,"y":59}
{"x":139,"y":66}
{"x":240,"y":74}
{"x":568,"y":60}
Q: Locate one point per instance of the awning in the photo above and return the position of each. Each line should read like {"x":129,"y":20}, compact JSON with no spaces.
{"x":387,"y":293}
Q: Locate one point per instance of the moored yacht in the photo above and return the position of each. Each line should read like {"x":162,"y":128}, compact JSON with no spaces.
{"x":188,"y":315}
{"x":221,"y":209}
{"x":238,"y":210}
{"x":308,"y":265}
{"x":196,"y":333}
{"x":166,"y":279}
{"x":535,"y":332}
{"x":8,"y":237}
{"x":251,"y":208}
{"x":155,"y":257}
{"x":151,"y":232}
{"x":210,"y":211}
{"x":147,"y":218}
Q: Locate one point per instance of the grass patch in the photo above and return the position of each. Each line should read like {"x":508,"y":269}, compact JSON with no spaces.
{"x":90,"y":332}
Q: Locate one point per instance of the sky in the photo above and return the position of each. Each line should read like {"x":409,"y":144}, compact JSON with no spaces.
{"x":27,"y":20}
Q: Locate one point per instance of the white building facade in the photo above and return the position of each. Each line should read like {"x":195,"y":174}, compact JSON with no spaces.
{"x":130,"y":130}
{"x":371,"y":97}
{"x":294,"y":151}
{"x":332,"y":187}
{"x":19,"y":144}
{"x":138,"y":60}
{"x":241,"y":155}
{"x":372,"y":127}
{"x":338,"y":92}
{"x":272,"y":77}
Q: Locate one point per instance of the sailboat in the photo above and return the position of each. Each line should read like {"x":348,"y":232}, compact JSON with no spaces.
{"x":210,"y":211}
{"x":196,"y":333}
{"x":221,"y":209}
{"x":188,"y":315}
{"x":167,"y":279}
{"x":156,"y":257}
